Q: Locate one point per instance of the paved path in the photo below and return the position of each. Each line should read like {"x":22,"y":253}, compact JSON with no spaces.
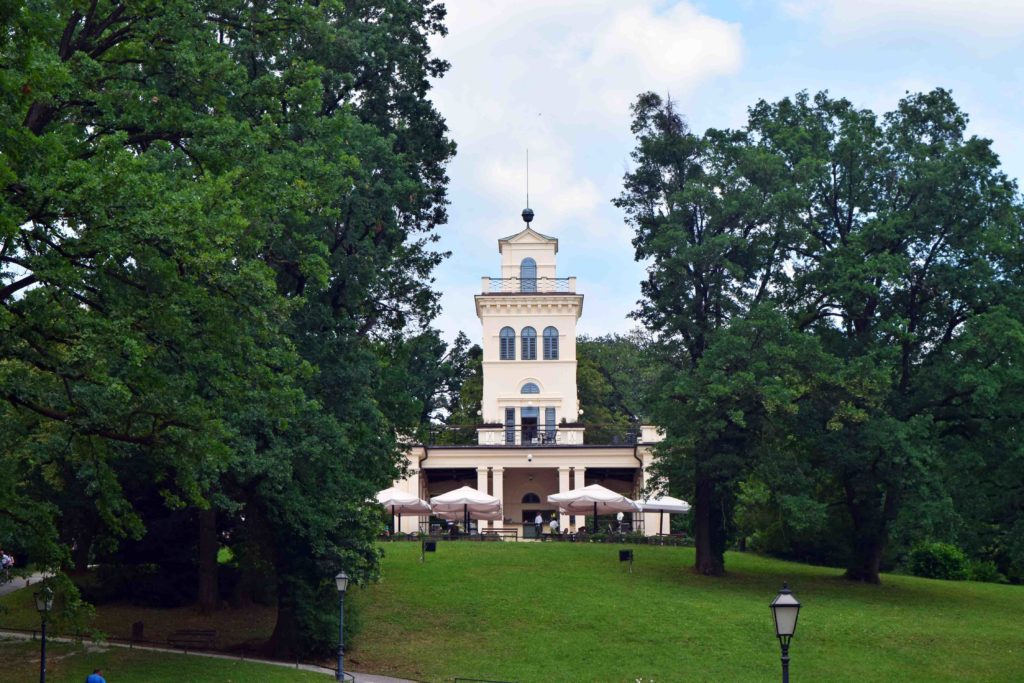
{"x":19,"y":582}
{"x":357,"y":677}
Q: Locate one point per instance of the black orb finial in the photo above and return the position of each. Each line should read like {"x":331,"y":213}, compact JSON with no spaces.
{"x":527,"y":215}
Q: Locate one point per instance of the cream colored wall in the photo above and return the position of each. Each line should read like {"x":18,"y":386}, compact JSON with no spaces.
{"x":513,"y":253}
{"x":503,"y":379}
{"x":519,"y":482}
{"x":411,"y":484}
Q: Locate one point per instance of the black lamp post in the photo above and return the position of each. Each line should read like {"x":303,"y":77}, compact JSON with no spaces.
{"x":342,"y":582}
{"x":44,"y":603}
{"x":785,"y":610}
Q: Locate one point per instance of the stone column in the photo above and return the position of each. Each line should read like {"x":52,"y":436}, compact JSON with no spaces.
{"x":579,"y":479}
{"x":651,"y":519}
{"x":481,"y":486}
{"x":498,"y":490}
{"x":563,"y":487}
{"x":415,"y":484}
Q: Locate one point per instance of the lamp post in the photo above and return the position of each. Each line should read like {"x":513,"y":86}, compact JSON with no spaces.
{"x":341,"y":580}
{"x":44,"y":603}
{"x":785,"y":610}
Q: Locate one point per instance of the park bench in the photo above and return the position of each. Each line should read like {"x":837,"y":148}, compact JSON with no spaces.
{"x":194,"y":638}
{"x":511,"y":533}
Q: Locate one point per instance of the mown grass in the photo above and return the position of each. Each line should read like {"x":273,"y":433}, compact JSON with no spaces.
{"x":567,"y":612}
{"x":67,"y":663}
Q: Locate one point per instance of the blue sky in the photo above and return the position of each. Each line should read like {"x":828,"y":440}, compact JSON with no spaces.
{"x":558,"y":76}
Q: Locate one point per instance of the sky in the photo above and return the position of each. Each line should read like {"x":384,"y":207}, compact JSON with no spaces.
{"x":557,"y":77}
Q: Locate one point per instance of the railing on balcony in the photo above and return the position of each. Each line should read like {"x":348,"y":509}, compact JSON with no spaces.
{"x":532,"y":435}
{"x":530,"y":285}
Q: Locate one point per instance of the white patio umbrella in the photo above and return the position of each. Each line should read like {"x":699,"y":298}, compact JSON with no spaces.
{"x":662,"y":505}
{"x":400,"y":502}
{"x":468,"y":501}
{"x":456,"y":515}
{"x":590,"y":500}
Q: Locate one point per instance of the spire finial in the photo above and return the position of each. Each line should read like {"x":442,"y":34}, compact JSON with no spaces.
{"x":527,"y":212}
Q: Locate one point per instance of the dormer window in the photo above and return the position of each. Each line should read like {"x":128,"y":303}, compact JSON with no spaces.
{"x":529,"y":343}
{"x":507,"y":343}
{"x":528,"y":275}
{"x":550,"y":343}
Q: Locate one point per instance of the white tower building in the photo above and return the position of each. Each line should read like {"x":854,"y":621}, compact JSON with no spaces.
{"x":531,"y":442}
{"x":529,"y":319}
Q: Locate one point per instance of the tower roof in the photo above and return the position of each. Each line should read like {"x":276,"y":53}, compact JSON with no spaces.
{"x":527,"y":236}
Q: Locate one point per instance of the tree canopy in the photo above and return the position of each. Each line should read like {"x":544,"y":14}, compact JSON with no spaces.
{"x":836,"y":297}
{"x":216,"y":234}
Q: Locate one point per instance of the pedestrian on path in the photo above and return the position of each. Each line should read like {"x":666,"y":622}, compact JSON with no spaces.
{"x":95,"y":677}
{"x":538,"y":524}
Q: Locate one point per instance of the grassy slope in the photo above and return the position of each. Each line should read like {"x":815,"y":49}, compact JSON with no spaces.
{"x":19,"y":661}
{"x":566,"y":612}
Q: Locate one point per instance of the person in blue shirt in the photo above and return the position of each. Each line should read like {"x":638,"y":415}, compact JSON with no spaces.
{"x":95,"y":677}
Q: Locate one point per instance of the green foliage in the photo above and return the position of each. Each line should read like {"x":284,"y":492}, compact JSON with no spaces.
{"x":837,"y":301}
{"x":611,"y":374}
{"x":984,"y":570}
{"x":215,"y":253}
{"x":938,"y":561}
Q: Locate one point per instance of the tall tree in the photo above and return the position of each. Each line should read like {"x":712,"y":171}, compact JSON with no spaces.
{"x":217,"y":225}
{"x":908,"y":249}
{"x":894,"y":244}
{"x":712,"y":245}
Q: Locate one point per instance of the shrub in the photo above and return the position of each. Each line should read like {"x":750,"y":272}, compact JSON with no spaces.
{"x":985,"y":570}
{"x":938,"y":561}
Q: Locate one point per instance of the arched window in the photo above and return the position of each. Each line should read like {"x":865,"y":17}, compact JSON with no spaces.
{"x":530,"y":388}
{"x":528,"y":275}
{"x":529,"y":343}
{"x":531,"y":498}
{"x":550,"y":343}
{"x":507,"y":343}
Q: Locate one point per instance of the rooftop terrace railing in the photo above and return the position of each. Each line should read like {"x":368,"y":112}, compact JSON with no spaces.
{"x":529,"y":435}
{"x":531,"y":285}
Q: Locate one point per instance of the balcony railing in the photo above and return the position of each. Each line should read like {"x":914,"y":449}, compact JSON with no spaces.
{"x":530,"y":285}
{"x":532,"y":435}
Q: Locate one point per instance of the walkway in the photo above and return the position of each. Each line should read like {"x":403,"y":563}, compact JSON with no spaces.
{"x":356,"y":676}
{"x":17,"y":583}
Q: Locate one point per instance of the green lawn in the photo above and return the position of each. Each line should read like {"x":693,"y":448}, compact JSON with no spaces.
{"x":533,"y":612}
{"x":66,"y":663}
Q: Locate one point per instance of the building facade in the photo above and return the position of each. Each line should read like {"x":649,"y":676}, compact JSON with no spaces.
{"x":532,"y":440}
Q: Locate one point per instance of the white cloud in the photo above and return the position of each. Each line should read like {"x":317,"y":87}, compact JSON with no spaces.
{"x":982,"y":25}
{"x":558,"y":78}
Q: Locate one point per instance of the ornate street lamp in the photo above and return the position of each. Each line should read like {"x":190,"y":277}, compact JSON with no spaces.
{"x":341,"y":580}
{"x":785,"y":610}
{"x":44,"y":603}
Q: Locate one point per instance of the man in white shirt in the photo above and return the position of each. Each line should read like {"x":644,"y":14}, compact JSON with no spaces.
{"x":538,"y":524}
{"x":554,"y":525}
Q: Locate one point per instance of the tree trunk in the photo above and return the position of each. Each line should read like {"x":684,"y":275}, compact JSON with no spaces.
{"x":870,"y":533}
{"x":284,"y":640}
{"x":80,"y":554}
{"x":866,"y":562}
{"x":710,"y":560}
{"x":207,"y":560}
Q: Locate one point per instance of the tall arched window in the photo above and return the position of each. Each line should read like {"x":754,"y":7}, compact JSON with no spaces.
{"x":530,"y":388}
{"x":507,"y":343}
{"x":528,"y":275}
{"x":529,"y":343}
{"x":550,"y":343}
